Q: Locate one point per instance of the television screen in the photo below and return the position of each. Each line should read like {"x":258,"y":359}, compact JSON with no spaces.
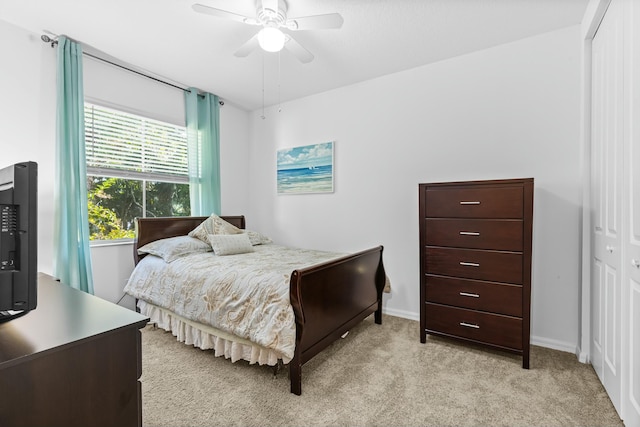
{"x":18,"y":239}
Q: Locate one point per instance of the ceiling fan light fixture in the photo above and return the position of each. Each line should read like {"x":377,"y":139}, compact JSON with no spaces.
{"x":271,"y":39}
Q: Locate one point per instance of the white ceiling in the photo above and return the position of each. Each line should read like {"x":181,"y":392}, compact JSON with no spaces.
{"x":168,"y":39}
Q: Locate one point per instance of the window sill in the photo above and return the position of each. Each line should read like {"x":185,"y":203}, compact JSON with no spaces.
{"x":104,"y":243}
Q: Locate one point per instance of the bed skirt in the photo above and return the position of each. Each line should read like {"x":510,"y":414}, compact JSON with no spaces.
{"x":209,"y":338}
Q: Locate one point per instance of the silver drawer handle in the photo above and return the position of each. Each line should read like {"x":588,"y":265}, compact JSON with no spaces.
{"x":469,"y":264}
{"x":469,"y":233}
{"x":469,"y":203}
{"x":469,"y":325}
{"x":467,"y":294}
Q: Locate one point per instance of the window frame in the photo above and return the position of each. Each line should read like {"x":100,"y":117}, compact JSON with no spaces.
{"x":144,"y":177}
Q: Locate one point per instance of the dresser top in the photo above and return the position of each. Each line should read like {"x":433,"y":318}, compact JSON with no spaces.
{"x":63,"y":317}
{"x":481,"y":182}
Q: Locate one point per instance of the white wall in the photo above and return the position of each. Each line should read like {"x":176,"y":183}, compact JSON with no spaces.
{"x":507,"y":112}
{"x":27,"y":120}
{"x":27,"y":132}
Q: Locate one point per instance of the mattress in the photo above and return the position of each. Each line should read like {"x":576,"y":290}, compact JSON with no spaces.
{"x":243,"y":298}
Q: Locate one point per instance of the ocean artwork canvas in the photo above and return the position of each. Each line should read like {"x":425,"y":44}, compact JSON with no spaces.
{"x":306,"y":169}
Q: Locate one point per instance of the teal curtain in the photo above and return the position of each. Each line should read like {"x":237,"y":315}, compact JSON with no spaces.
{"x":72,"y":259}
{"x":203,"y":139}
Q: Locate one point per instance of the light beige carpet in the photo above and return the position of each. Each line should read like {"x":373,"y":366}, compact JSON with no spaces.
{"x":379,"y":375}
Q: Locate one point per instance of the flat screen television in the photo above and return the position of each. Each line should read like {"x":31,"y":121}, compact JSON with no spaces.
{"x":18,"y":239}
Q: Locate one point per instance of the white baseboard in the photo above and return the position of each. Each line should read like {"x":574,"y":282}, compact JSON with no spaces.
{"x":535,"y":340}
{"x":583,"y":356}
{"x":554,"y":344}
{"x":401,"y":313}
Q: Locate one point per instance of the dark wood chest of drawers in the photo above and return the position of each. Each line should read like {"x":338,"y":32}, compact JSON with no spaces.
{"x":475,"y":262}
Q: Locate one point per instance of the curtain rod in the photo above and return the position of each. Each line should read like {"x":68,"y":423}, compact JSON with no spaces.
{"x":45,"y":38}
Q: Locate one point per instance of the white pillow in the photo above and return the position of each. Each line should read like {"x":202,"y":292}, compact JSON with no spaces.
{"x":257,"y":238}
{"x":213,"y":225}
{"x":171,"y":248}
{"x":230,"y":244}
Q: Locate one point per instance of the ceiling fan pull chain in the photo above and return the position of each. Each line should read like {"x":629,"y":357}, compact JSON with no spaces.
{"x":262,"y":116}
{"x":279,"y":102}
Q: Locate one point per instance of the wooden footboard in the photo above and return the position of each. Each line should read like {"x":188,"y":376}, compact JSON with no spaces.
{"x":330,"y":298}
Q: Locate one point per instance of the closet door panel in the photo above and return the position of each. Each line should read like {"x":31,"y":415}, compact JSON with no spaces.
{"x":631,"y":217}
{"x":633,"y":398}
{"x":596,"y":316}
{"x":611,"y":320}
{"x":597,"y":206}
{"x":608,"y":134}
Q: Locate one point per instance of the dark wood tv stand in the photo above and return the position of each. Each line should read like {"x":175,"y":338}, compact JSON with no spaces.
{"x":73,"y":361}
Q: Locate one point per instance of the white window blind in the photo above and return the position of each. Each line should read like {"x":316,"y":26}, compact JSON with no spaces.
{"x":126,"y":145}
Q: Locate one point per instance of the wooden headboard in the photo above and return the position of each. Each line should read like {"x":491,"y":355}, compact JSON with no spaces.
{"x":151,"y":229}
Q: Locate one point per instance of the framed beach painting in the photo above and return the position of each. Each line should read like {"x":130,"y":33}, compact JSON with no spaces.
{"x":306,"y":169}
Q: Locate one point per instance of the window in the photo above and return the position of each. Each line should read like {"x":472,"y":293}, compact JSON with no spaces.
{"x":136,"y":167}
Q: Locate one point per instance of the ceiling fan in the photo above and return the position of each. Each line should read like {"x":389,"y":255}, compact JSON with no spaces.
{"x":271,"y":15}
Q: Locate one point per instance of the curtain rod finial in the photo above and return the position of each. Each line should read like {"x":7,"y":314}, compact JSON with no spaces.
{"x":45,"y":38}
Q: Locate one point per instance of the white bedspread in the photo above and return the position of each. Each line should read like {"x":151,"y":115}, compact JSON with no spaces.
{"x":246,"y":295}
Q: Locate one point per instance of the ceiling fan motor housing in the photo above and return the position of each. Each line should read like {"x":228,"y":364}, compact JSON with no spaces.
{"x":269,"y":17}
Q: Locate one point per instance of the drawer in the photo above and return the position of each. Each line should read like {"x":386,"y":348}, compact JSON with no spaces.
{"x":475,"y":202}
{"x":496,"y":329}
{"x":495,"y":266}
{"x":475,"y":294}
{"x":498,"y":234}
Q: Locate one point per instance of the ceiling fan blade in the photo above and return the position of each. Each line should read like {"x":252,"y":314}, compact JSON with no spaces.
{"x":200,"y":8}
{"x":315,"y":22}
{"x":249,"y":46}
{"x":298,"y":50}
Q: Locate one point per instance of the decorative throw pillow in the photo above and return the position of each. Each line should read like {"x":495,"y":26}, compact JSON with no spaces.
{"x":171,"y":248}
{"x":213,"y":225}
{"x":257,"y":238}
{"x":230,"y":244}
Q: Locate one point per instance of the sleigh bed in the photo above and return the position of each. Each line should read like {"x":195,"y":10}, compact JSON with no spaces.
{"x":326,"y":298}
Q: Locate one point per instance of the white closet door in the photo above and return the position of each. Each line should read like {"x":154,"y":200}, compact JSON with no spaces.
{"x":607,"y":174}
{"x":631,"y":212}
